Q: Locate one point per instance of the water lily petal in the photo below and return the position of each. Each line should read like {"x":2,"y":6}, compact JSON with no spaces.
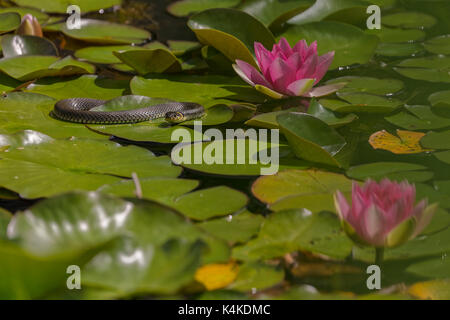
{"x":323,"y":65}
{"x":308,"y":69}
{"x":285,"y":47}
{"x":300,"y":87}
{"x":341,"y":204}
{"x":325,"y":90}
{"x":281,"y":75}
{"x":253,"y":76}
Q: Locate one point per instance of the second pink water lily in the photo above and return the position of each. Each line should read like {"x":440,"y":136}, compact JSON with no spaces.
{"x":288,"y":71}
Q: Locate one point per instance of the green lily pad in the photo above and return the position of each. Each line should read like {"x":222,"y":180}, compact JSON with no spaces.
{"x":104,"y":32}
{"x":92,"y":219}
{"x":235,"y":40}
{"x":441,"y":103}
{"x":389,"y":35}
{"x":438,"y":45}
{"x":349,"y":11}
{"x":60,"y":6}
{"x":257,"y":276}
{"x":395,"y":171}
{"x":434,"y":68}
{"x":250,"y":161}
{"x":102,"y":54}
{"x":292,"y":230}
{"x":398,"y":49}
{"x":308,"y":189}
{"x":210,"y":203}
{"x":418,"y":118}
{"x":205,"y":90}
{"x":25,"y":68}
{"x":185,"y":8}
{"x":368,"y":85}
{"x":436,"y":140}
{"x":409,"y":20}
{"x":41,"y":16}
{"x":25,"y":276}
{"x":236,"y":228}
{"x":273,"y":12}
{"x":310,"y":138}
{"x":9,"y":21}
{"x":14,"y":45}
{"x":36,"y":165}
{"x":351,"y":45}
{"x":146,"y":61}
{"x":92,"y":86}
{"x":361,"y":103}
{"x":162,"y":269}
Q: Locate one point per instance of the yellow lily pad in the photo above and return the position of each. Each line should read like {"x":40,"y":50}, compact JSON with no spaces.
{"x":406,"y":142}
{"x":217,"y":276}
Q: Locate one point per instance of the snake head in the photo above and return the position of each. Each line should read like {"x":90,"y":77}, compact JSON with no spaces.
{"x":175,"y":117}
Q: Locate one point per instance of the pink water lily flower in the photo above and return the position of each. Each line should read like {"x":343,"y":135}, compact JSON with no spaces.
{"x":30,"y":26}
{"x":383,"y":214}
{"x":288,"y":71}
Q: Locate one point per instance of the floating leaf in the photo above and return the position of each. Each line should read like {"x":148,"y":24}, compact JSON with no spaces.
{"x":273,"y":12}
{"x":14,"y":45}
{"x":38,"y":14}
{"x":102,"y":54}
{"x":418,"y":118}
{"x":440,"y":102}
{"x":25,"y":68}
{"x":234,"y":40}
{"x":406,"y":142}
{"x":438,"y":45}
{"x":257,"y":276}
{"x":217,"y":276}
{"x":60,"y":6}
{"x":37,"y":166}
{"x":436,"y":140}
{"x":391,"y":35}
{"x":309,"y":189}
{"x":310,"y":138}
{"x":409,"y":20}
{"x":398,"y":49}
{"x":188,"y":7}
{"x":395,"y":171}
{"x":292,"y":230}
{"x":350,"y":44}
{"x":237,"y":228}
{"x":343,"y":10}
{"x":99,"y":31}
{"x":433,"y":68}
{"x":5,"y":217}
{"x":146,"y":61}
{"x":9,"y":21}
{"x":370,"y":85}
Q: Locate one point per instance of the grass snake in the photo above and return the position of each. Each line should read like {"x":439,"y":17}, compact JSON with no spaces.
{"x":79,"y":110}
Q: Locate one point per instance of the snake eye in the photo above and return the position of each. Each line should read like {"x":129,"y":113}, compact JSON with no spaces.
{"x":175,"y":117}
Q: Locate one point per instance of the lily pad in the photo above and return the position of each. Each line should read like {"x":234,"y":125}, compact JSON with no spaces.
{"x":433,"y":68}
{"x":406,"y":142}
{"x":9,"y":21}
{"x":293,"y":230}
{"x":409,"y":20}
{"x":102,"y":54}
{"x":418,"y":118}
{"x":431,"y":290}
{"x":234,"y":40}
{"x":361,"y":103}
{"x":350,"y":11}
{"x":60,"y":6}
{"x":38,"y":14}
{"x":25,"y":68}
{"x":99,"y":31}
{"x":392,"y":35}
{"x":185,"y":8}
{"x":395,"y":171}
{"x":257,"y":276}
{"x":441,"y":103}
{"x":33,"y":155}
{"x":14,"y":45}
{"x":351,"y":45}
{"x":308,"y":189}
{"x":146,"y":61}
{"x":368,"y":85}
{"x":205,"y":90}
{"x":398,"y":49}
{"x":236,"y":228}
{"x":5,"y":218}
{"x":273,"y":12}
{"x":310,"y":138}
{"x":436,"y":140}
{"x":7,"y":83}
{"x":438,"y":45}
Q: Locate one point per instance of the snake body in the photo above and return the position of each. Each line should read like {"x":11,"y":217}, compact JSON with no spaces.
{"x":79,"y":110}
